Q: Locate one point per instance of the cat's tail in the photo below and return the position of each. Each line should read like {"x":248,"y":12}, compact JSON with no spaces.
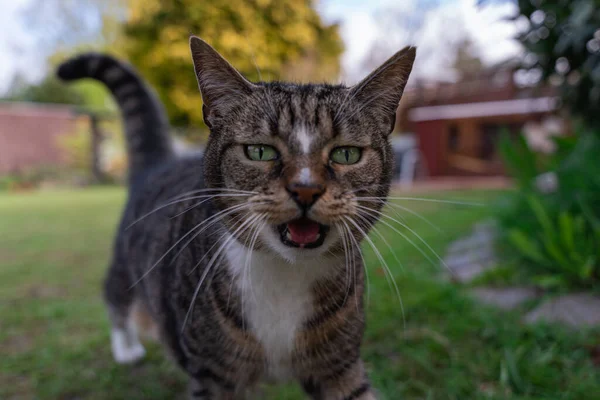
{"x":144,"y":118}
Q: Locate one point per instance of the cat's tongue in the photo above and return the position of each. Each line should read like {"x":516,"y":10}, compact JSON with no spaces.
{"x":303,"y":231}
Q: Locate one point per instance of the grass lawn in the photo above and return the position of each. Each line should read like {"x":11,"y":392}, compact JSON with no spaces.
{"x":54,"y":342}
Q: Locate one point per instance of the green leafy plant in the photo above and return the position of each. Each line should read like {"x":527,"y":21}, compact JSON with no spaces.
{"x":556,"y":234}
{"x":563,"y":42}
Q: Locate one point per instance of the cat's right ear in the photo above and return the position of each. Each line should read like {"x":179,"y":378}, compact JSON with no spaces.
{"x":220,"y":84}
{"x":382,"y":89}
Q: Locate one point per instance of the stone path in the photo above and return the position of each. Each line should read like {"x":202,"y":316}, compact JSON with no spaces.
{"x":505,"y":298}
{"x":469,"y":257}
{"x":574,"y":310}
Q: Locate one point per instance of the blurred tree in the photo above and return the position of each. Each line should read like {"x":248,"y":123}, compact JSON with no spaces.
{"x":284,"y":39}
{"x":85,"y":94}
{"x":466,"y":62}
{"x":563,"y":38}
{"x":49,"y":90}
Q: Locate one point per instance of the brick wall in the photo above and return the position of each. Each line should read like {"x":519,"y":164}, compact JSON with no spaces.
{"x":29,"y":135}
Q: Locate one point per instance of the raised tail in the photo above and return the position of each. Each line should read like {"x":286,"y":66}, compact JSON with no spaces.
{"x":144,"y":117}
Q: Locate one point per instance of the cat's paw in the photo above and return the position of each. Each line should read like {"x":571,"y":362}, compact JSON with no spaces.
{"x":126,"y":350}
{"x":129,"y":355}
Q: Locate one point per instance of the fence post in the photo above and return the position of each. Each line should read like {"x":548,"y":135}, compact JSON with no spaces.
{"x":97,"y":173}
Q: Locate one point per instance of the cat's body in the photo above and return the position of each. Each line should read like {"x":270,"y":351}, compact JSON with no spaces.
{"x":224,"y":252}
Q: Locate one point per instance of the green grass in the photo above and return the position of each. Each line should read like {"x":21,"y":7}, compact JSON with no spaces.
{"x":54,"y":344}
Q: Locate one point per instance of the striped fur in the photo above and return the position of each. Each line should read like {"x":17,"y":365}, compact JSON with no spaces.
{"x":236,"y":306}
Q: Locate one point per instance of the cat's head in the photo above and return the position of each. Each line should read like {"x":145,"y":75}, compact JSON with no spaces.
{"x":299,"y":169}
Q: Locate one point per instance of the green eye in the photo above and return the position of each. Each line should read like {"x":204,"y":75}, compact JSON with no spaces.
{"x":346,"y":155}
{"x":261,"y":152}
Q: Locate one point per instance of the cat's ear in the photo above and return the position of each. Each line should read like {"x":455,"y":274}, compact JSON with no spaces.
{"x":220,"y":84}
{"x":383,"y":88}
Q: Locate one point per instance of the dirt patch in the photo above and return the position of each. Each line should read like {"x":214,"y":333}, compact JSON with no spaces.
{"x":67,"y":257}
{"x":41,"y":291}
{"x":16,"y":387}
{"x":595,"y":355}
{"x":8,"y":256}
{"x":17,"y":344}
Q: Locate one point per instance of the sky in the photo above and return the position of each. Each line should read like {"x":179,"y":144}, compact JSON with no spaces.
{"x":386,"y":25}
{"x":14,"y":42}
{"x":365,"y":24}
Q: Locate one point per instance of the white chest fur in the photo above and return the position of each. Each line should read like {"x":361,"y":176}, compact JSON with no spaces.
{"x":277,"y":298}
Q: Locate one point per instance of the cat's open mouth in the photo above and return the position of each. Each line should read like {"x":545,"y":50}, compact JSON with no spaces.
{"x":304,"y":233}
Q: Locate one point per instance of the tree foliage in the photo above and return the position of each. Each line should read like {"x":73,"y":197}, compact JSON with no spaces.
{"x":564,"y":40}
{"x":268,"y":39}
{"x":85,"y":94}
{"x":466,"y":62}
{"x":49,"y":90}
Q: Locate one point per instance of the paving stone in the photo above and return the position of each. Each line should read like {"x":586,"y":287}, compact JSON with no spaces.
{"x":466,"y":266}
{"x":479,"y":255}
{"x":470,"y":256}
{"x":488,"y":226}
{"x":505,"y":298}
{"x":575,"y":310}
{"x":470,"y":242}
{"x":468,"y":272}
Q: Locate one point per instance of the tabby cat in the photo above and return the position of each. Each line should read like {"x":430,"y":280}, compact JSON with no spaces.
{"x":246,"y":258}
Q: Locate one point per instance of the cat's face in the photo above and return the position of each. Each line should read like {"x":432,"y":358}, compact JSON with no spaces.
{"x":302,"y":167}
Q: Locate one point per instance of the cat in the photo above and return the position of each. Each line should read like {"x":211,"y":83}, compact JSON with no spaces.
{"x":246,"y":258}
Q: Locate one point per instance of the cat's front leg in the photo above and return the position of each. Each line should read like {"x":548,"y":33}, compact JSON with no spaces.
{"x":353,"y":384}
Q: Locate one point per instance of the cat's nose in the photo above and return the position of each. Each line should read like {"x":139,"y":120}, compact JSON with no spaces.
{"x":305,"y":195}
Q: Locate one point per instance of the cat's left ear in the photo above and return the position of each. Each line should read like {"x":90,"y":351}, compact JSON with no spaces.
{"x":221,"y":85}
{"x":383,"y":88}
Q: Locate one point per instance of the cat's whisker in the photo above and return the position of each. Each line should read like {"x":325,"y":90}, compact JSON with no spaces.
{"x":213,"y":219}
{"x":256,"y":66}
{"x":204,"y":201}
{"x":408,"y":210}
{"x":249,"y":237}
{"x":254,"y":237}
{"x":374,"y":185}
{"x":207,"y":197}
{"x":212,"y":262}
{"x":158,"y":209}
{"x":383,"y":239}
{"x":389,"y":275}
{"x":364,"y":264}
{"x":371,"y":212}
{"x":246,"y":270}
{"x":244,"y":223}
{"x":238,"y":219}
{"x":247,"y":260}
{"x":425,"y":199}
{"x":218,"y":190}
{"x":347,"y":271}
{"x":416,"y":214}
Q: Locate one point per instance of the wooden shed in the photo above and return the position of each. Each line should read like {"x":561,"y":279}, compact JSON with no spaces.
{"x":458,"y":125}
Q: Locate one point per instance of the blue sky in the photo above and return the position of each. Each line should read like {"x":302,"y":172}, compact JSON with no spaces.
{"x":362,"y":27}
